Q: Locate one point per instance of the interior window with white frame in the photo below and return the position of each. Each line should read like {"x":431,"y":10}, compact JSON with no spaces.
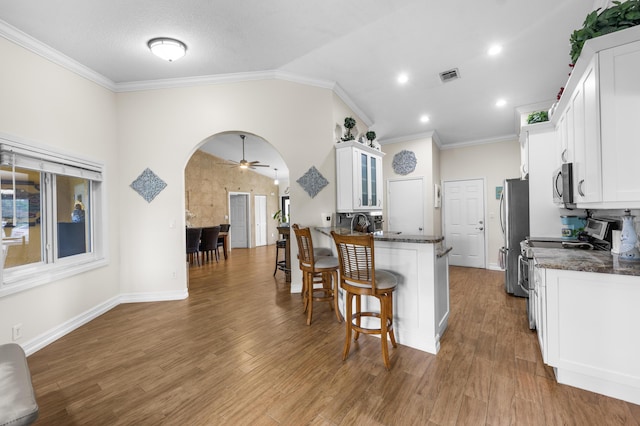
{"x":52,"y":215}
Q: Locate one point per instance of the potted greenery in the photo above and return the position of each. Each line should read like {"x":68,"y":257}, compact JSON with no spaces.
{"x":617,"y":17}
{"x":280,"y":217}
{"x":349,"y":123}
{"x":371,"y":136}
{"x":538,"y":117}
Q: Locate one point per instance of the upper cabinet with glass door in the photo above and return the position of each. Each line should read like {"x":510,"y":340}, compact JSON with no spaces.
{"x":359,"y":177}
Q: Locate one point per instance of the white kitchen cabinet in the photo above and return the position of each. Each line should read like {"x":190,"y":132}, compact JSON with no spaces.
{"x":565,"y":152}
{"x":540,"y":308}
{"x":596,"y":119}
{"x":544,"y":214}
{"x":620,"y":103}
{"x":359,"y":177}
{"x":524,"y":154}
{"x":586,"y":137}
{"x":591,"y":331}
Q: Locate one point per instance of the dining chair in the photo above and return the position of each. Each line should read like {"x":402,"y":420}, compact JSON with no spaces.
{"x":209,"y":243}
{"x":193,"y":244}
{"x":359,"y":277}
{"x":321,"y":270}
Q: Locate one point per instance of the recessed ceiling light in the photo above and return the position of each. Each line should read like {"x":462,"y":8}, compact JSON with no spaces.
{"x":501,"y":103}
{"x":168,"y":49}
{"x":403,"y":78}
{"x":494,"y":50}
{"x":424,"y":118}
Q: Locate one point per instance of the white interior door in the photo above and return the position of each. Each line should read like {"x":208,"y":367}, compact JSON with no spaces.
{"x":405,"y":206}
{"x":239,"y":219}
{"x":260,"y":209}
{"x":464,"y":222}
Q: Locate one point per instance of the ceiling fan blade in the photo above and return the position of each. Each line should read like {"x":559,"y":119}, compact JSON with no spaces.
{"x":259,"y":165}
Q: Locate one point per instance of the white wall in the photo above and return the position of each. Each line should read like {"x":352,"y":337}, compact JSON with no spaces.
{"x":423,"y":148}
{"x":160,"y":129}
{"x":494,"y":162}
{"x":46,"y":104}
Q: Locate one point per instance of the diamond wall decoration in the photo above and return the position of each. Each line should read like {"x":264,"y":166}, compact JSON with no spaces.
{"x":148,"y":185}
{"x":312,"y":182}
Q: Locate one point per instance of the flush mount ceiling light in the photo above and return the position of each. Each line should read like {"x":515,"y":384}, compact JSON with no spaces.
{"x":500,"y":103}
{"x":168,"y":49}
{"x":424,"y":118}
{"x":403,"y":78}
{"x":494,"y":50}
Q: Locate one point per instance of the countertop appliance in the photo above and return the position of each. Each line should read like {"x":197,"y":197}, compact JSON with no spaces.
{"x":514,"y":220}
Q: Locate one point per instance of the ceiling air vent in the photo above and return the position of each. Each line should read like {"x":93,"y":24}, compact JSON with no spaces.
{"x":449,"y":75}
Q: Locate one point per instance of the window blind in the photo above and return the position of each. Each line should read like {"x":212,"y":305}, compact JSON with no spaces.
{"x":44,"y":161}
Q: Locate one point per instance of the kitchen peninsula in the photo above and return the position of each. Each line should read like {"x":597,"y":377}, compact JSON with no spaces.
{"x":421,"y":301}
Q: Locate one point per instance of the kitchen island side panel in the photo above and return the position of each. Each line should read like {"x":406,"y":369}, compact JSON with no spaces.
{"x":415,"y":299}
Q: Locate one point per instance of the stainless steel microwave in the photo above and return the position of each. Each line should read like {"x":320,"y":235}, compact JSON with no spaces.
{"x":562,"y":185}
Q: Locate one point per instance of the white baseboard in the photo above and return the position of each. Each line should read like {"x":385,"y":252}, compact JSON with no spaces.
{"x":154,"y":297}
{"x":494,"y":267}
{"x":67,"y":327}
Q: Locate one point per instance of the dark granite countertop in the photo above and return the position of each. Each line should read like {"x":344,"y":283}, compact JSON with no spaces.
{"x":385,"y":236}
{"x":584,"y":260}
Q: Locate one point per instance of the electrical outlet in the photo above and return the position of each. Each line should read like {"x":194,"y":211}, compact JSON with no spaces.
{"x":17,"y":331}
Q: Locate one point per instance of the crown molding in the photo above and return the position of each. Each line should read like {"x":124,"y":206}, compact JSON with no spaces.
{"x":409,"y":138}
{"x":504,"y":138}
{"x":41,"y":49}
{"x":339,"y":91}
{"x":26,"y":41}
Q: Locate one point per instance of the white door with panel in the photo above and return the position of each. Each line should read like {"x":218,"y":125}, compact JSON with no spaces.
{"x":260,"y":213}
{"x":239,"y":219}
{"x":405,"y":206}
{"x":464,"y":222}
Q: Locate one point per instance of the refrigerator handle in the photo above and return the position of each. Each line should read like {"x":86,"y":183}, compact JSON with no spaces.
{"x":501,"y":206}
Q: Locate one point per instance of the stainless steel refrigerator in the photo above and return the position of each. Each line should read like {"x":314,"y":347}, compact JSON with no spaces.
{"x":514,"y":220}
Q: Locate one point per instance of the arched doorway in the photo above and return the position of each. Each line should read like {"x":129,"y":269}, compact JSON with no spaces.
{"x":216,"y":187}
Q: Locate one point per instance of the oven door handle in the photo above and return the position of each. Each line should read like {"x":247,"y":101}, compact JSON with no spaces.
{"x":523,"y":263}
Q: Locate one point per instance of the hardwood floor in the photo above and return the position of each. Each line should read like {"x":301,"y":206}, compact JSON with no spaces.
{"x":238,"y":351}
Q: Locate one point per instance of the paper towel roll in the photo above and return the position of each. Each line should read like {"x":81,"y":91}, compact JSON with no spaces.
{"x":615,"y":241}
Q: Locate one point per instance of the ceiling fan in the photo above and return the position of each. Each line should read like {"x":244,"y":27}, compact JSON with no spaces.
{"x":244,"y":164}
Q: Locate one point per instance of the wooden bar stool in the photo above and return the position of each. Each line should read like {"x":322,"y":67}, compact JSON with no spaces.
{"x":316,"y":270}
{"x":358,"y":277}
{"x":281,"y":264}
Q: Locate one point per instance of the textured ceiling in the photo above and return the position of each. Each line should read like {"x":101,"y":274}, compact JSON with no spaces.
{"x":360,"y":45}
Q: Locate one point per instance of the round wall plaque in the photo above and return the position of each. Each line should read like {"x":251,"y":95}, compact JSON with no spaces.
{"x":404,"y":162}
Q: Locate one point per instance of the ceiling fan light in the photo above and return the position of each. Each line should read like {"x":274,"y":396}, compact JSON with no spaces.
{"x":168,"y":49}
